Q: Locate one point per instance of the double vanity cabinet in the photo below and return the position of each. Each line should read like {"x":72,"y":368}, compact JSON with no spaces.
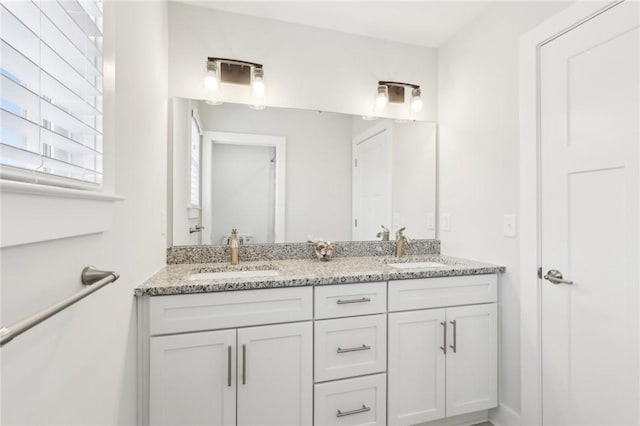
{"x":397,"y":352}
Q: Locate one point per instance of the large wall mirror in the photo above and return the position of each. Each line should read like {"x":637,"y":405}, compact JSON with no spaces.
{"x":287,"y":175}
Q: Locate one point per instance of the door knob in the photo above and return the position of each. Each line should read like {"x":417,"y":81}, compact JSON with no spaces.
{"x":555,"y":277}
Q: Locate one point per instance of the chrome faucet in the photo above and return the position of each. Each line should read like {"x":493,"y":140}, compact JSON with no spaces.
{"x":384,"y":234}
{"x":401,"y":242}
{"x":235,"y":246}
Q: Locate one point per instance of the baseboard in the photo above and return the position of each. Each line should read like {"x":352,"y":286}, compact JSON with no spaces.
{"x":462,"y":420}
{"x":504,"y":415}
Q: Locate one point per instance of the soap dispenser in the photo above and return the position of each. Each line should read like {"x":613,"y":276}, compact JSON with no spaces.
{"x":235,"y":246}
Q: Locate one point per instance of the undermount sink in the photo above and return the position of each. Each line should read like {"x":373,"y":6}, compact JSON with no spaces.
{"x":233,"y":274}
{"x":416,"y":265}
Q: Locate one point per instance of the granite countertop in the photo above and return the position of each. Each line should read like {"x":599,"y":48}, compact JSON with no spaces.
{"x":174,"y":279}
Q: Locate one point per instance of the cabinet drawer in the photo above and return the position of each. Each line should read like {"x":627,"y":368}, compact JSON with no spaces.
{"x":349,"y":347}
{"x":209,"y":311}
{"x":437,"y":292}
{"x":346,"y":300}
{"x":352,"y":402}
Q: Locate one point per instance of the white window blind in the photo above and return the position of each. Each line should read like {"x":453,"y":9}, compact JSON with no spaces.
{"x":51,"y":90}
{"x":196,"y":133}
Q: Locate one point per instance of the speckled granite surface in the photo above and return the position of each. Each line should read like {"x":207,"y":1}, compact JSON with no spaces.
{"x":174,"y":279}
{"x":257,"y":252}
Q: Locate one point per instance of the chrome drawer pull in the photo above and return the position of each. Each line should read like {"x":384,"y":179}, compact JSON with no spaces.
{"x":364,"y":409}
{"x":344,"y":302}
{"x":358,"y":348}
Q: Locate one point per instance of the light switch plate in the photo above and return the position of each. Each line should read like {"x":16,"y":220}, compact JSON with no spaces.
{"x":431,"y":221}
{"x":446,"y":222}
{"x":510,"y":226}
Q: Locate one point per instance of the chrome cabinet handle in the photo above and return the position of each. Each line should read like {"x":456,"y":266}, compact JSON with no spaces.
{"x":555,"y":277}
{"x":244,"y":364}
{"x":357,"y":348}
{"x":364,"y":409}
{"x":344,"y":302}
{"x":229,"y":366}
{"x":455,"y":338}
{"x":444,"y":335}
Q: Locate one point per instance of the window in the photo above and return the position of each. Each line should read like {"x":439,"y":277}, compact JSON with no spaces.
{"x":51,"y":91}
{"x":196,"y":133}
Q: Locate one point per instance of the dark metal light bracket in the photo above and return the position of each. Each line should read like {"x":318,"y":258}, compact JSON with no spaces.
{"x":396,"y":90}
{"x":235,"y":71}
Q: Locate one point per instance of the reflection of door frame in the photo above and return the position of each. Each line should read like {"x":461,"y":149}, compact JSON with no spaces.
{"x":530,"y":232}
{"x":277,"y":142}
{"x":383,"y":126}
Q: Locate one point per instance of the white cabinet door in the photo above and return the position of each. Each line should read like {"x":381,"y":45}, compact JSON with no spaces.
{"x":192,"y":379}
{"x":275,"y":377}
{"x":472,"y":358}
{"x":416,"y":374}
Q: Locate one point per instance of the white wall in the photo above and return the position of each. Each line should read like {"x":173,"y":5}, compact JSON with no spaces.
{"x":305,"y":67}
{"x":478,"y":169}
{"x":79,"y":367}
{"x":318,"y":170}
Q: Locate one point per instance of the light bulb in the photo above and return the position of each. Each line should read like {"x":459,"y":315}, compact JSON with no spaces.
{"x":257,"y":83}
{"x":416,"y":100}
{"x":383,"y":97}
{"x":211,"y":80}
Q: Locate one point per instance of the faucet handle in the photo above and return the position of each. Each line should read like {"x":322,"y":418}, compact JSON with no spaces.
{"x":399,"y":233}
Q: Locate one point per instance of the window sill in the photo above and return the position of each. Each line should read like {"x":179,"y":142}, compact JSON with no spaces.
{"x":33,"y":213}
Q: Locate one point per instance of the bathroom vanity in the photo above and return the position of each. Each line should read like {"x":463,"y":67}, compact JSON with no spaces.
{"x":367,"y":340}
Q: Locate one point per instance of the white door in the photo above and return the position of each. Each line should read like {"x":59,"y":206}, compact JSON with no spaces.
{"x":416,"y":367}
{"x":589,"y":221}
{"x":275,"y":377}
{"x":472,"y":358}
{"x":193,"y":379}
{"x":371,"y":189}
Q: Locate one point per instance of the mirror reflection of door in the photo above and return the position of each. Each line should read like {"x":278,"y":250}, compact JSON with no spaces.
{"x":372,"y":153}
{"x":242,"y":192}
{"x":240,"y":187}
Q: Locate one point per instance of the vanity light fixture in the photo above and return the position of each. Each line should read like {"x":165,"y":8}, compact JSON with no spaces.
{"x":394,"y":92}
{"x":234,"y":71}
{"x":416,"y":100}
{"x":382,"y":99}
{"x":211,"y":77}
{"x":257,"y":82}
